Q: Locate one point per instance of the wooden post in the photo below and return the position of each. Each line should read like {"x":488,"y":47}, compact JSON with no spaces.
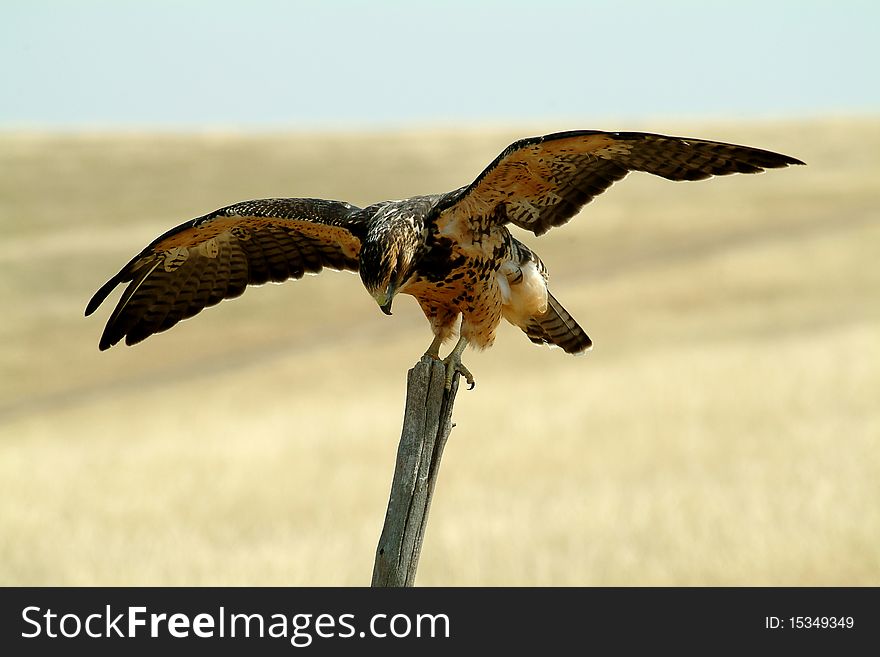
{"x":427,"y":421}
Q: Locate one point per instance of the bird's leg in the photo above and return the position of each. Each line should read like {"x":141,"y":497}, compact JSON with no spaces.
{"x":453,"y":364}
{"x":434,"y":349}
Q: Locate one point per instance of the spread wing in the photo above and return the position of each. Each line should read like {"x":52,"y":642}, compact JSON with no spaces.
{"x":542,"y":182}
{"x":215,"y":257}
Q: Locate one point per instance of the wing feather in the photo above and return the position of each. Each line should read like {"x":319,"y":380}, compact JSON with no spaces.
{"x":215,"y":257}
{"x":542,"y":182}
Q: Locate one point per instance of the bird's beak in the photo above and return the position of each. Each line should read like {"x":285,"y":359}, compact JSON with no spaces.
{"x":385,"y":298}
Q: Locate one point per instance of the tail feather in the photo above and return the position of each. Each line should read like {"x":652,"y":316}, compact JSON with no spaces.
{"x":556,"y":327}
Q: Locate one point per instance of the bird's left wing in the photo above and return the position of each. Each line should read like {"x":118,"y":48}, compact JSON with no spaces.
{"x":541,"y":182}
{"x":215,"y":257}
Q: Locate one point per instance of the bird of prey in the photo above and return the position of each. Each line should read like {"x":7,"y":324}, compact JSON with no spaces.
{"x":453,"y":252}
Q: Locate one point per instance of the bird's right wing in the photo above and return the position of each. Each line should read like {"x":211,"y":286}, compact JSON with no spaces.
{"x":215,"y":257}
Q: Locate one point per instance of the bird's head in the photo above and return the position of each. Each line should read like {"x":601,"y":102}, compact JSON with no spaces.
{"x":388,"y":257}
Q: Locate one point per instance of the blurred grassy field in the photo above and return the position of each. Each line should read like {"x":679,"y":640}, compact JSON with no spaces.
{"x":724,"y":430}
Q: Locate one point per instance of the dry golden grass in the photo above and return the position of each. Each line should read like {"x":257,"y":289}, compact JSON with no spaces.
{"x":723,"y":431}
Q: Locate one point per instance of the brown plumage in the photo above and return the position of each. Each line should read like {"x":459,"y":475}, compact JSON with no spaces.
{"x":451,"y":251}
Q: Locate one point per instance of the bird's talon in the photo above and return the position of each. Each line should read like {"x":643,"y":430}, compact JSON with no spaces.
{"x":454,"y":365}
{"x":467,"y":376}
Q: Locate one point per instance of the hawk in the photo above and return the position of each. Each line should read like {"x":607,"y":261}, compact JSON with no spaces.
{"x":453,"y":252}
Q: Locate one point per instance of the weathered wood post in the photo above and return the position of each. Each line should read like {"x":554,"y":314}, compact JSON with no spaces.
{"x":427,"y":421}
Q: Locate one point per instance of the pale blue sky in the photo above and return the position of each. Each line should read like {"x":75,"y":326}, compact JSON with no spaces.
{"x":265,"y":63}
